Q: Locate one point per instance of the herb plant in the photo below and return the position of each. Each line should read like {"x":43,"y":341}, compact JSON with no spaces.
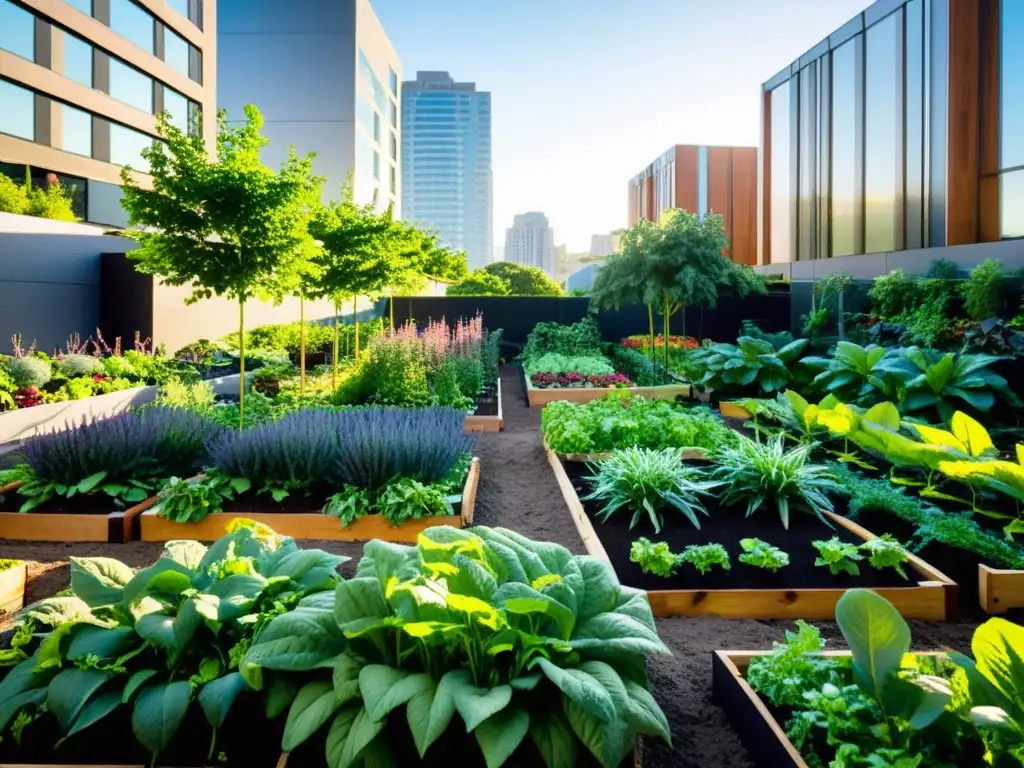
{"x":349,"y":504}
{"x":945,"y":382}
{"x":654,"y":558}
{"x":519,"y":639}
{"x":646,"y":481}
{"x":408,"y":499}
{"x":769,"y":473}
{"x":162,"y":638}
{"x":838,"y":556}
{"x":704,"y":557}
{"x":191,"y":500}
{"x":761,"y":554}
{"x":792,"y":667}
{"x":585,"y":365}
{"x":886,"y":552}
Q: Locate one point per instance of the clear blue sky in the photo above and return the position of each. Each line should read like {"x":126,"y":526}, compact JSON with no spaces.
{"x":586,"y":93}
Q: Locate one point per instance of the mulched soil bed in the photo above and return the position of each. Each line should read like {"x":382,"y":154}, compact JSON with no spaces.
{"x":487,"y":403}
{"x":518,"y":491}
{"x":100,"y":504}
{"x":726,"y":526}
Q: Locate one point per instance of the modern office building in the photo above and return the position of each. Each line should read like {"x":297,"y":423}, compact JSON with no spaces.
{"x":702,"y":180}
{"x":446,"y":162}
{"x":327,"y":80}
{"x":896,"y":140}
{"x":604,"y":245}
{"x":531,"y":241}
{"x":81,"y":83}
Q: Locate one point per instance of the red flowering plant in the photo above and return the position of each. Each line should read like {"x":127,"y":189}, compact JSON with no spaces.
{"x":26,"y":397}
{"x":575,"y":380}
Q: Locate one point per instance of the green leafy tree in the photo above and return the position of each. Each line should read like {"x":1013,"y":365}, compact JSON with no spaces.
{"x":523,"y":280}
{"x":622,"y":279}
{"x":13,"y":196}
{"x":229,"y":226}
{"x":480,"y":283}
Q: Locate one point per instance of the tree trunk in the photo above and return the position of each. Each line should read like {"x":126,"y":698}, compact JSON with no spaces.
{"x":666,"y":331}
{"x":355,"y":318}
{"x":334,"y":369}
{"x":302,"y":345}
{"x":241,"y":363}
{"x":651,"y":353}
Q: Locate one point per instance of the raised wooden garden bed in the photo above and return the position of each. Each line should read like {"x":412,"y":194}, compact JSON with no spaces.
{"x":538,"y":398}
{"x":114,"y":527}
{"x":1000,"y":590}
{"x":759,"y":731}
{"x":25,"y":422}
{"x":12,"y":588}
{"x":493,"y":423}
{"x":927,"y":595}
{"x":313,"y":525}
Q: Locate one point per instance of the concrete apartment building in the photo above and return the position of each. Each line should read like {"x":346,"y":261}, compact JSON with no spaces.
{"x":327,"y":80}
{"x":895,"y":141}
{"x":702,"y":180}
{"x":531,"y":241}
{"x":81,"y":83}
{"x":446,"y":162}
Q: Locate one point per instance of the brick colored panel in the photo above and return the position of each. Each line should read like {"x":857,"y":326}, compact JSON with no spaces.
{"x":964,"y":94}
{"x":686,"y":178}
{"x":744,"y":205}
{"x":720,"y":185}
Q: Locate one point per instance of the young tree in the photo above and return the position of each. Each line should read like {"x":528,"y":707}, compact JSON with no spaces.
{"x":227,"y":226}
{"x":479,"y":283}
{"x":523,"y":280}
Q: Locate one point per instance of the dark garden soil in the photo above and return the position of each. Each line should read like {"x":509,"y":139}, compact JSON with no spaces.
{"x":518,"y":491}
{"x":487,"y":403}
{"x":94,"y":504}
{"x":726,"y":526}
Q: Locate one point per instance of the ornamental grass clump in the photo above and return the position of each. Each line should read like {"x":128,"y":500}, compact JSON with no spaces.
{"x":477,"y":641}
{"x":647,"y":481}
{"x":125,"y":456}
{"x":766,"y":472}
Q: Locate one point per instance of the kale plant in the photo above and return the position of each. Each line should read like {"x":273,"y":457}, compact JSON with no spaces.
{"x":159,"y":639}
{"x":761,"y":554}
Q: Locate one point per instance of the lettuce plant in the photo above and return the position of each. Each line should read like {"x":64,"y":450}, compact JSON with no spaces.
{"x":886,"y":552}
{"x":160,"y":639}
{"x":838,"y":556}
{"x":654,"y":558}
{"x":519,"y":639}
{"x":760,"y":473}
{"x":126,"y":456}
{"x":761,"y":554}
{"x":645,"y":481}
{"x":704,"y":557}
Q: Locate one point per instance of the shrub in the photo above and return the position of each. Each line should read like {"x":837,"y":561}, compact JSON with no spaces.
{"x":29,"y":371}
{"x":534,"y":642}
{"x":582,"y":338}
{"x":78,"y":389}
{"x":893,"y":293}
{"x":74,"y":366}
{"x":395,"y":375}
{"x":469,"y":375}
{"x":13,"y":196}
{"x":760,"y":473}
{"x":646,"y":481}
{"x":983,"y":293}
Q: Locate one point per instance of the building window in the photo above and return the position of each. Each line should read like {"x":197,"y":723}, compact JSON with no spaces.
{"x":176,"y":51}
{"x":394,"y":147}
{"x":85,"y":6}
{"x":781,"y":244}
{"x":76,"y":131}
{"x":1011,"y":204}
{"x":78,"y":60}
{"x":806,"y":163}
{"x":17,"y":30}
{"x":376,"y":166}
{"x":181,"y":6}
{"x":130,"y":86}
{"x":915,"y":111}
{"x":393,"y":81}
{"x":394,"y":180}
{"x":176,"y":106}
{"x":882,"y":132}
{"x":132,"y":23}
{"x":1011,"y":85}
{"x":126,"y":147}
{"x":394,"y":115}
{"x":845,"y":201}
{"x":376,"y":128}
{"x":195,"y":119}
{"x":18,"y":117}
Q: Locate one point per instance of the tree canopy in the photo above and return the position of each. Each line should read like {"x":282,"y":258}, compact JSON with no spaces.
{"x":505,"y":278}
{"x":480,"y":283}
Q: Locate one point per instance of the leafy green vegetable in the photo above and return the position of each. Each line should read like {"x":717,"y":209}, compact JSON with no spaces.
{"x":886,"y":552}
{"x":349,"y":504}
{"x":838,"y":556}
{"x":761,"y":554}
{"x":747,"y":367}
{"x":644,"y":480}
{"x":784,"y":674}
{"x":483,"y":624}
{"x":190,"y":501}
{"x":408,"y":499}
{"x":654,"y":558}
{"x":704,"y":557}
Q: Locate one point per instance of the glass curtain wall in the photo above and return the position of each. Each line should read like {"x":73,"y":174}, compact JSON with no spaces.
{"x":855,"y":133}
{"x":1011,"y":119}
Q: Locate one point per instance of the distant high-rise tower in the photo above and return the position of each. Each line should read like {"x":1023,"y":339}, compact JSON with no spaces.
{"x":446,"y":162}
{"x":531,"y":241}
{"x":326,"y":78}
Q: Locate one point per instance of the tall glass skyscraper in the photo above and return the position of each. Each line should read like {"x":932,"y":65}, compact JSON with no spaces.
{"x":446,"y":162}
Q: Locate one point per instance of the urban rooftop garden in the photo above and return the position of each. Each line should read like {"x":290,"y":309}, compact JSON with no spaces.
{"x":424,"y":542}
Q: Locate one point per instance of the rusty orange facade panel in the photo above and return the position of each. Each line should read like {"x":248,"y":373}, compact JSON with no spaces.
{"x":686,"y":178}
{"x":720,"y":185}
{"x":744,"y":206}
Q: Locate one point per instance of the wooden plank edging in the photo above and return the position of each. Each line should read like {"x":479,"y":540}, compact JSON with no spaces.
{"x":486,"y":423}
{"x":538,"y":398}
{"x":12,"y":588}
{"x":1000,"y":589}
{"x":114,"y":527}
{"x":314,"y":525}
{"x":933,"y":597}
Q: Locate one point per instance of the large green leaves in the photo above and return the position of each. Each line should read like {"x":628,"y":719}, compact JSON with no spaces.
{"x":158,"y":713}
{"x":99,"y":581}
{"x":218,"y":695}
{"x":70,"y":690}
{"x":501,"y":734}
{"x":313,"y":706}
{"x":554,"y":738}
{"x":300,"y":640}
{"x":384,"y":689}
